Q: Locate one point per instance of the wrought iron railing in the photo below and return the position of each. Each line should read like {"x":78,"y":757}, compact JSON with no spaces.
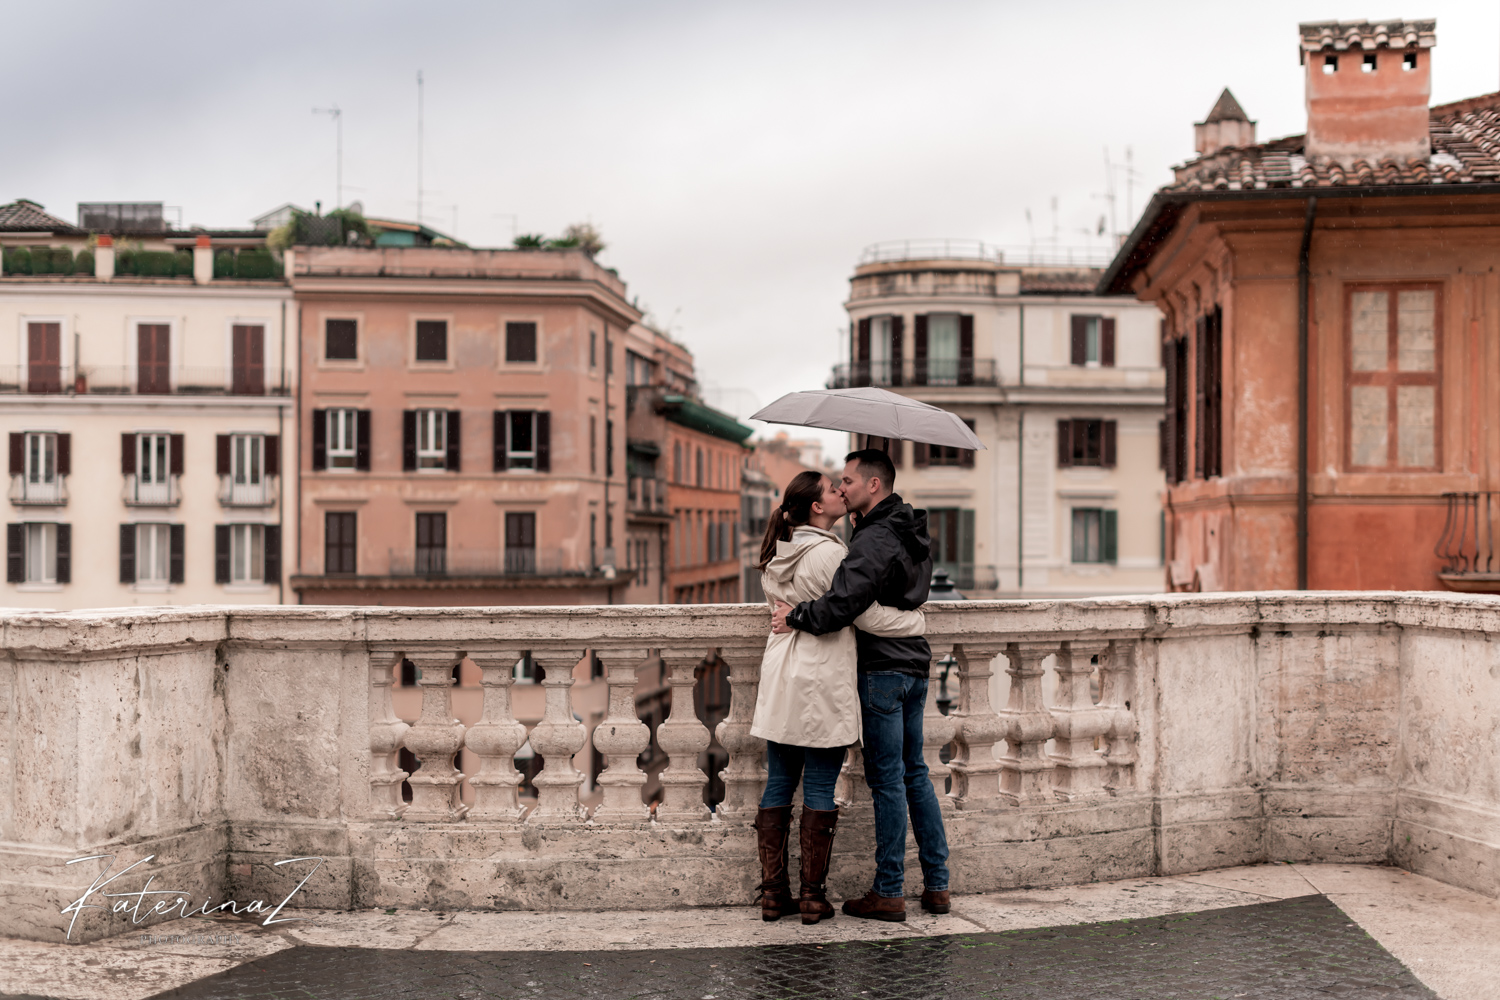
{"x":1467,"y":544}
{"x":514,"y":561}
{"x":915,"y":371}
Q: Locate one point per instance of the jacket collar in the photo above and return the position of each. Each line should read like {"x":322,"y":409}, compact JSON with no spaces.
{"x":880,"y":511}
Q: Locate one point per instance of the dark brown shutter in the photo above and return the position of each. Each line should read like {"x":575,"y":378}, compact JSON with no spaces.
{"x":361,"y":441}
{"x":319,"y":440}
{"x":1161,"y":445}
{"x":271,"y":557}
{"x":408,"y":440}
{"x":965,"y":350}
{"x":174,"y":463}
{"x":919,"y":350}
{"x":1169,"y":423}
{"x":1107,"y":342}
{"x":221,"y":553}
{"x":1200,"y":398}
{"x":1216,"y":392}
{"x":862,"y":342}
{"x":65,"y":454}
{"x":127,"y":553}
{"x":919,"y":452}
{"x":543,"y":441}
{"x":224,"y":464}
{"x":127,"y":454}
{"x":898,"y":331}
{"x":15,"y":553}
{"x":500,"y":453}
{"x":64,"y":553}
{"x":966,"y":455}
{"x":1107,"y":458}
{"x":1080,"y":345}
{"x":1064,"y":444}
{"x":18,"y":454}
{"x":453,"y":457}
{"x":894,"y":448}
{"x":273,"y":455}
{"x":176,"y":562}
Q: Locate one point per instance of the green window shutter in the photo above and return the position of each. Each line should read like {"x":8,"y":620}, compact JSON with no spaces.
{"x":966,"y":537}
{"x":1109,"y":534}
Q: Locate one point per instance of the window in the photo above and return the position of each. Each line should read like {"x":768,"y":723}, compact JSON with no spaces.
{"x":249,"y":358}
{"x":638,"y":370}
{"x":676,"y":461}
{"x":520,"y":542}
{"x":151,"y":553}
{"x":1085,"y":443}
{"x":952,"y":532}
{"x":943,"y":349}
{"x":44,"y":357}
{"x":699,"y":480}
{"x":1368,"y":65}
{"x":38,"y":553}
{"x":339,"y":542}
{"x":246,"y":461}
{"x":247,"y":453}
{"x":247,"y":553}
{"x":1330,"y":65}
{"x":341,"y":340}
{"x":609,"y":448}
{"x":432,"y":439}
{"x":924,"y":454}
{"x":41,"y":460}
{"x":1093,"y":341}
{"x":432,"y":340}
{"x":593,"y":349}
{"x":1094,"y":533}
{"x":342,"y":443}
{"x":154,"y":460}
{"x":879,"y":351}
{"x":1408,"y":61}
{"x":1208,"y":396}
{"x":520,"y":342}
{"x":432,"y":544}
{"x":593,"y":443}
{"x":1175,"y":362}
{"x":153,"y":358}
{"x":523,"y":440}
{"x":1393,"y":403}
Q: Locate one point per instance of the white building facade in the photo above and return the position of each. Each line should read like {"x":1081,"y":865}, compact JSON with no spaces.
{"x":1064,"y":387}
{"x":149,"y":420}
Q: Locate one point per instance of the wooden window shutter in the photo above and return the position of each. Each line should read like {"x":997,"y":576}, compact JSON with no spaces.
{"x":898,"y":337}
{"x":454,"y":451}
{"x":499,"y":448}
{"x":1064,"y":444}
{"x":1107,"y":342}
{"x":319,"y":440}
{"x":127,"y":553}
{"x":1161,"y":444}
{"x":919,"y":454}
{"x":965,"y":350}
{"x":966,"y":537}
{"x":408,"y":440}
{"x":174,"y":461}
{"x":15,"y":553}
{"x":64,"y":553}
{"x":127,"y":454}
{"x":223,"y":463}
{"x":966,"y":455}
{"x":919,"y":350}
{"x":1079,"y":354}
{"x":894,"y":447}
{"x":1216,"y":392}
{"x":1200,"y":398}
{"x":361,"y":441}
{"x":65,"y":454}
{"x":543,"y":442}
{"x":221,"y":553}
{"x":273,"y":455}
{"x":271,"y":557}
{"x":176,"y":559}
{"x":862,"y":342}
{"x":1109,"y":535}
{"x":18,"y":453}
{"x":1169,"y":423}
{"x":1107,"y":456}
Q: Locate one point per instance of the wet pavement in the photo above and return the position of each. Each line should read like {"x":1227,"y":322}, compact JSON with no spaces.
{"x":1292,"y":949}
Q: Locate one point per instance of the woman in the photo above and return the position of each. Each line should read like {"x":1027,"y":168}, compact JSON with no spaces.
{"x":807,"y":709}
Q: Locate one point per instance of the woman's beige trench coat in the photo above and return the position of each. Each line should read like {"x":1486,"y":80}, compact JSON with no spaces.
{"x":808,"y":694}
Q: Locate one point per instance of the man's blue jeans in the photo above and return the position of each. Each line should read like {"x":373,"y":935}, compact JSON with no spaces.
{"x":892,"y":705}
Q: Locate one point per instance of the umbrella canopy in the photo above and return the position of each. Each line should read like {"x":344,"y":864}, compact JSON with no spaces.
{"x":871,"y":411}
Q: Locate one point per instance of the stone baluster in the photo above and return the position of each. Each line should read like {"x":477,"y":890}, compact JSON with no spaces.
{"x":557,"y":738}
{"x":1077,"y":722}
{"x":1028,"y":727}
{"x":386,"y":733}
{"x":852,"y":793}
{"x":1117,"y":673}
{"x":977,"y":728}
{"x":682,"y":737}
{"x":745,"y":775}
{"x":620,"y":738}
{"x":938,"y":731}
{"x":495,"y":738}
{"x":434,"y":739}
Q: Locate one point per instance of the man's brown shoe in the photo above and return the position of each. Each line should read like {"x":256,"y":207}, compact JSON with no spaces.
{"x":873,"y":907}
{"x":935,"y":901}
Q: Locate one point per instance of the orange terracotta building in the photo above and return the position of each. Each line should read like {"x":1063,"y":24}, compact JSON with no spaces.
{"x":1331,"y":331}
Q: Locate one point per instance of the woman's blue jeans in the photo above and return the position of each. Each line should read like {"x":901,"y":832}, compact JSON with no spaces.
{"x":816,"y":767}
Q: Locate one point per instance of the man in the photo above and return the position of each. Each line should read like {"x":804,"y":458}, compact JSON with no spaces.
{"x":890,"y":563}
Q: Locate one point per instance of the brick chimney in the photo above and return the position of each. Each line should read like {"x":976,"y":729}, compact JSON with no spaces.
{"x":1226,"y":125}
{"x":1368,"y":86}
{"x":203,"y":260}
{"x":104,"y":258}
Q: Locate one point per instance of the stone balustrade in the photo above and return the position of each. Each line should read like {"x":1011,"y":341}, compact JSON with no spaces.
{"x":1088,"y":740}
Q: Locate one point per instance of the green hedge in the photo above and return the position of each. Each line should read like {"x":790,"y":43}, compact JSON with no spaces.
{"x":39,"y":260}
{"x":256,"y":264}
{"x":84,"y":263}
{"x":224,"y":264}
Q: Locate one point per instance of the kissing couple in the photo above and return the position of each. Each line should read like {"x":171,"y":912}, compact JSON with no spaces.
{"x":846,"y":664}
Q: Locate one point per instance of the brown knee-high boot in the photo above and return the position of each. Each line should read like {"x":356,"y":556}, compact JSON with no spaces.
{"x":817,"y":851}
{"x":772,"y":829}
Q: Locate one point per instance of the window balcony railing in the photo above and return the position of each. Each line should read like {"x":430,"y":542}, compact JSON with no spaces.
{"x":233,"y":494}
{"x":147,"y":494}
{"x":24,"y":491}
{"x":912,"y":372}
{"x":515,"y":561}
{"x":646,"y":495}
{"x":1468,"y":544}
{"x":178,"y":380}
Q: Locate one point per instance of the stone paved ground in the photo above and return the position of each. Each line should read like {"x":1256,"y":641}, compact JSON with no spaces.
{"x":1286,"y":950}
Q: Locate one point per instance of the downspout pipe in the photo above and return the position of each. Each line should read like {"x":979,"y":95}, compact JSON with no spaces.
{"x":1304,"y":281}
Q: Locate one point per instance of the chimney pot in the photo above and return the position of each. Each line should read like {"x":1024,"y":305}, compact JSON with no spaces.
{"x":1227,"y":125}
{"x":203,"y":260}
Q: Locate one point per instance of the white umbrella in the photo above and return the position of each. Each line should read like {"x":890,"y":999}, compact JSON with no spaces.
{"x":873,"y":412}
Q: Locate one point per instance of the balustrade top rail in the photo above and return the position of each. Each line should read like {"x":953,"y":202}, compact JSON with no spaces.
{"x":1016,"y":255}
{"x":181,"y":380}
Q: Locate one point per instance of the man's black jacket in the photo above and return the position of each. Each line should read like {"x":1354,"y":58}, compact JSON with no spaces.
{"x":890,"y":563}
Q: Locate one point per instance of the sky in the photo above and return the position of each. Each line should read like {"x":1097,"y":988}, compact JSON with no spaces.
{"x":737,"y":157}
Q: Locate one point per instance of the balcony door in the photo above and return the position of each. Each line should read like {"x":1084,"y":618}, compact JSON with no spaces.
{"x":44,"y":357}
{"x":153,"y":358}
{"x":432,"y":544}
{"x":520,"y":542}
{"x":249,"y":350}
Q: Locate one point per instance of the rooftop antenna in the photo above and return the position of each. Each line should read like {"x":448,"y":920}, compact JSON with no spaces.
{"x":338,"y":121}
{"x":1030,"y":230}
{"x":419,"y":147}
{"x":1054,"y":220}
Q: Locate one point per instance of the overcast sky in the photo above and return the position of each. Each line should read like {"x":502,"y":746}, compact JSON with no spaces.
{"x":736,"y":157}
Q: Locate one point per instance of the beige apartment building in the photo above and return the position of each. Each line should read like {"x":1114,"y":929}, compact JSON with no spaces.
{"x":462,"y":425}
{"x":147,"y":395}
{"x":1064,"y":387}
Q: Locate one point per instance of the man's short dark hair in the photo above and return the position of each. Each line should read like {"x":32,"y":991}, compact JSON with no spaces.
{"x":874,"y":463}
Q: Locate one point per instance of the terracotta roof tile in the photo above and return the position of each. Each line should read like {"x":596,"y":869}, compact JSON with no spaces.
{"x":27,"y":217}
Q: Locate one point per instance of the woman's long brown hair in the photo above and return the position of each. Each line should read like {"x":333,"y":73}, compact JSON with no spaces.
{"x":805,"y":489}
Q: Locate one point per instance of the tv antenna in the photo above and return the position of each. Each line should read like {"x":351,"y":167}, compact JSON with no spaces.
{"x":419,"y":147}
{"x":338,"y":121}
